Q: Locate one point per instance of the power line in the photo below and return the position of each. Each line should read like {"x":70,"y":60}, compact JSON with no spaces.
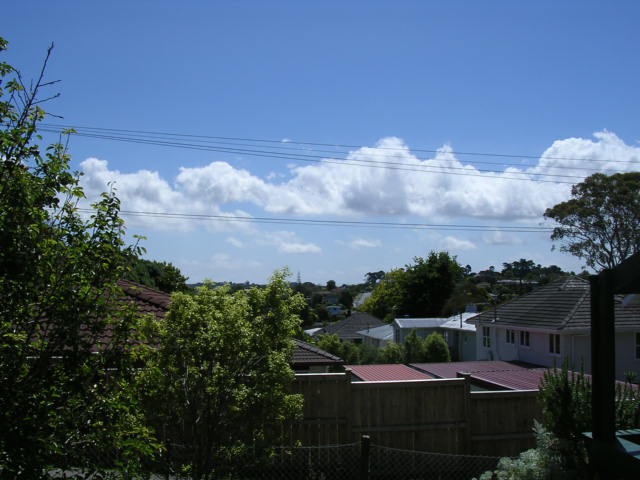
{"x":338,"y":161}
{"x":248,"y":139}
{"x":287,"y":149}
{"x":332,"y":223}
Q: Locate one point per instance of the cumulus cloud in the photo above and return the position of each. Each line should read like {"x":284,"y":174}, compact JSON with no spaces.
{"x":358,"y":243}
{"x":437,"y":188}
{"x":457,"y":244}
{"x":287,"y":242}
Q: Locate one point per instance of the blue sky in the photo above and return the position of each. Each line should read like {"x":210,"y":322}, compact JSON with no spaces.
{"x":421,"y":80}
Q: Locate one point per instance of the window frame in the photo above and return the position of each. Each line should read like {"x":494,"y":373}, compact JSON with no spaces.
{"x":525,"y":339}
{"x":510,"y":336}
{"x":486,"y":337}
{"x":554,"y":344}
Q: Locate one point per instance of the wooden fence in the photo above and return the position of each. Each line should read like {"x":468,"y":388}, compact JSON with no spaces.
{"x":439,"y":415}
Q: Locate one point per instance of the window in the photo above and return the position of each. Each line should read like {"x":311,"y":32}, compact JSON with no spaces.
{"x":511,"y":336}
{"x":637,"y":346}
{"x":524,"y":339}
{"x":486,"y":337}
{"x":554,"y":344}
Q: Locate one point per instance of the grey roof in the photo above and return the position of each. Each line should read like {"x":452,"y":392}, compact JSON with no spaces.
{"x":384,"y":332}
{"x":459,"y":322}
{"x":564,"y":304}
{"x":419,"y":322}
{"x":348,"y":328}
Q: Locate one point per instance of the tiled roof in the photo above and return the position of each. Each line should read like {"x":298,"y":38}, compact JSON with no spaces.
{"x":348,"y":328}
{"x":147,"y":300}
{"x":305,"y":354}
{"x":560,"y":305}
{"x":379,"y":373}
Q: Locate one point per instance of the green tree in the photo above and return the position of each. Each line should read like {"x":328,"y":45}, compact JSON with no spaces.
{"x":331,"y":285}
{"x":159,"y":275}
{"x":218,"y":381}
{"x":346,"y":299}
{"x":420,"y":289}
{"x":413,"y":348}
{"x":387,"y":295}
{"x":392,"y":353}
{"x":60,"y":305}
{"x":436,"y":349}
{"x":601,"y":222}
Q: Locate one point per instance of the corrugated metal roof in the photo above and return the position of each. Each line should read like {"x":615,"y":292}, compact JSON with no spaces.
{"x":381,"y":373}
{"x":451,"y":369}
{"x":458,"y":322}
{"x":419,"y":322}
{"x":523,"y":379}
{"x":385,"y":332}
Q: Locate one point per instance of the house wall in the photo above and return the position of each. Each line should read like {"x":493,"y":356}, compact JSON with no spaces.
{"x":467,"y":346}
{"x":626,"y":355}
{"x":537,"y":352}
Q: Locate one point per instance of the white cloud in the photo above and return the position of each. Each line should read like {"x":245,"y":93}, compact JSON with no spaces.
{"x":501,"y":238}
{"x":235,"y":242}
{"x":357,"y":243}
{"x":418,"y":188}
{"x":287,"y":242}
{"x":454,"y":244}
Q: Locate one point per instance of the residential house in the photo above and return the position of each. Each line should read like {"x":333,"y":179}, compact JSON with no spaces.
{"x":347,"y":329}
{"x":379,"y":336}
{"x":460,"y":335}
{"x":402,"y":327}
{"x":551,"y":325}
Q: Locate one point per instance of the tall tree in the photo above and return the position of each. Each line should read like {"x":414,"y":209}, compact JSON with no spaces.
{"x":160,"y":275}
{"x":420,"y":289}
{"x":58,"y":292}
{"x":218,"y":382}
{"x":601,"y":222}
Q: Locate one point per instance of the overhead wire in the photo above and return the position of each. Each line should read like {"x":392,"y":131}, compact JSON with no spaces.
{"x":445,"y":169}
{"x":293,"y":142}
{"x":335,"y":223}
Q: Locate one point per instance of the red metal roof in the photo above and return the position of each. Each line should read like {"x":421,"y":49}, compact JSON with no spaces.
{"x":381,"y":373}
{"x":451,"y":369}
{"x":523,"y":379}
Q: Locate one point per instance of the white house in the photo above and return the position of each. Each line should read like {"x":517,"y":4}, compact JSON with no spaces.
{"x":551,"y":325}
{"x":460,"y":335}
{"x":378,"y":337}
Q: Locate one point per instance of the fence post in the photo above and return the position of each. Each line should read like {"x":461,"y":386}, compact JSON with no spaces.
{"x":364,"y":457}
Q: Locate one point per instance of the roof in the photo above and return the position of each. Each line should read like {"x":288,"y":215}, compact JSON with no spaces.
{"x":563,"y":304}
{"x":306,"y":354}
{"x":348,"y":328}
{"x":384,"y":332}
{"x":510,"y":375}
{"x":146,"y":299}
{"x":459,"y":322}
{"x":419,"y":322}
{"x":385,"y":373}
